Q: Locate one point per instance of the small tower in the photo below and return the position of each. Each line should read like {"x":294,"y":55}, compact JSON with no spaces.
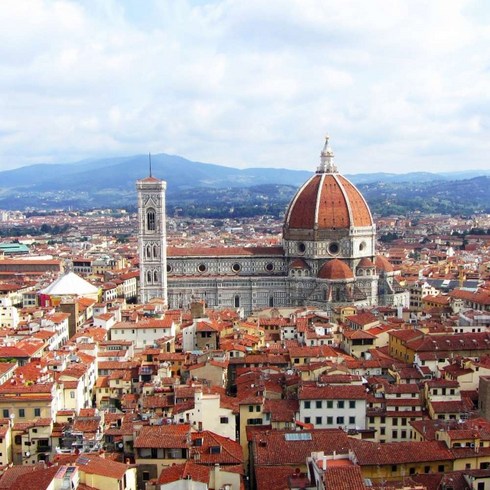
{"x":152,"y":238}
{"x":326,"y":159}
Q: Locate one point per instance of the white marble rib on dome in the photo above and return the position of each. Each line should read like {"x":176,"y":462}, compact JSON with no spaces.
{"x":70,"y":283}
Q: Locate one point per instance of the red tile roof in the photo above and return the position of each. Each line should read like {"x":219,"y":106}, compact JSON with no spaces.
{"x":273,"y":448}
{"x":335,"y":269}
{"x":163,"y":436}
{"x":36,"y":480}
{"x":328,"y":201}
{"x":187,"y":470}
{"x":223,"y":251}
{"x":281,"y":410}
{"x":333,"y":392}
{"x":215,"y":449}
{"x":273,"y":477}
{"x":372,"y":453}
{"x":344,"y":478}
{"x":95,"y":465}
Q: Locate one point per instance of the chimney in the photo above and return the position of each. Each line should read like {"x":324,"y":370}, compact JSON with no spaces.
{"x":198,"y":309}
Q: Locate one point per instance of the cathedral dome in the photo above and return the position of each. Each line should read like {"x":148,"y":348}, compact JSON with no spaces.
{"x":327,"y":201}
{"x":383,"y":264}
{"x":299,"y":264}
{"x":365,"y":263}
{"x":335,"y":269}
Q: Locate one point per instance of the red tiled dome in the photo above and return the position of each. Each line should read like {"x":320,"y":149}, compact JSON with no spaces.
{"x":328,"y":201}
{"x":383,"y":264}
{"x":365,"y":262}
{"x":335,"y":269}
{"x":299,"y":264}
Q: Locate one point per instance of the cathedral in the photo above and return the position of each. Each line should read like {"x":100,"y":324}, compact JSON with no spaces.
{"x":327,"y":258}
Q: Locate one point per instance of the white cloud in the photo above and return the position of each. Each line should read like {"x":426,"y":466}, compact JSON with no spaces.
{"x":398,"y":85}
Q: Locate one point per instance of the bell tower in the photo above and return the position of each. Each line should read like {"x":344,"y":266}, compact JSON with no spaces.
{"x":152,"y":238}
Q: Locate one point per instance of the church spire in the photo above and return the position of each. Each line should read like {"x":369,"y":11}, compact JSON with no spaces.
{"x":326,"y":160}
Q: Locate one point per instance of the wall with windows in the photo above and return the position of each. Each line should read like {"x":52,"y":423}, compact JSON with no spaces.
{"x":334,"y":413}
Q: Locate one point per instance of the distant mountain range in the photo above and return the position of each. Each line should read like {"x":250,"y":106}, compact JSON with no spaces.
{"x":110,"y":182}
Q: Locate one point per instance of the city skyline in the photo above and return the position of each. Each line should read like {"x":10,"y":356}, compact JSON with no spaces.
{"x":399,"y":87}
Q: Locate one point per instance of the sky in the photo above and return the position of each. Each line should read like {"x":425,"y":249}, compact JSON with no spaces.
{"x":399,"y":85}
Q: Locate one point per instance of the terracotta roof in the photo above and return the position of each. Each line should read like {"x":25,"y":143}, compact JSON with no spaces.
{"x":276,"y":447}
{"x":281,"y":410}
{"x":332,"y":392}
{"x":95,"y":465}
{"x":335,"y":269}
{"x":357,"y":334}
{"x":86,"y":424}
{"x":372,"y":453}
{"x":216,"y":449}
{"x":383,"y":264}
{"x":8,"y":478}
{"x":150,"y":179}
{"x":223,"y":251}
{"x":36,"y":480}
{"x":273,"y":477}
{"x":442,"y":383}
{"x":187,"y":470}
{"x":344,"y":478}
{"x":327,"y":201}
{"x":365,"y":262}
{"x":453,"y":406}
{"x":163,"y":436}
{"x":451,"y":342}
{"x":481,"y":297}
{"x":299,"y":264}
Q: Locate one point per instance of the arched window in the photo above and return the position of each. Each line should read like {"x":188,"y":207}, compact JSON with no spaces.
{"x":148,"y":277}
{"x":155,"y":277}
{"x":237,"y":301}
{"x":271,"y":301}
{"x":150,"y":219}
{"x":148,"y":251}
{"x":155,"y":251}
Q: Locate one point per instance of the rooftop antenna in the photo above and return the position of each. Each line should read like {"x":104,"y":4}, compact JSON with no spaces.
{"x":149,"y":160}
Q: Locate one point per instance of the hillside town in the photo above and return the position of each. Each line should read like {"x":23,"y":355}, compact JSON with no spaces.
{"x":197,"y":293}
{"x":102,"y":391}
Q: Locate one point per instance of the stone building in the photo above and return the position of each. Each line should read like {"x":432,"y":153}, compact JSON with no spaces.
{"x":152,"y":238}
{"x":327,"y":257}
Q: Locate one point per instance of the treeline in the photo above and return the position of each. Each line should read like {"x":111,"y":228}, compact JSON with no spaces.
{"x":463,"y":197}
{"x":18,"y":231}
